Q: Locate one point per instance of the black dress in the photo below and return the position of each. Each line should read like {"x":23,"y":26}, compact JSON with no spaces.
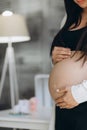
{"x":75,"y":118}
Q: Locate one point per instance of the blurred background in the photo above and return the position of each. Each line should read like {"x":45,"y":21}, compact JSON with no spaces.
{"x":43,"y":19}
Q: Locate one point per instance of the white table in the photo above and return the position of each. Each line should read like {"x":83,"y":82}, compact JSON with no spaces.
{"x":37,"y":121}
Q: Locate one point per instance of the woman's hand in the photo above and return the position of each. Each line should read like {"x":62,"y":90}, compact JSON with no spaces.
{"x":66,"y":101}
{"x":60,"y":53}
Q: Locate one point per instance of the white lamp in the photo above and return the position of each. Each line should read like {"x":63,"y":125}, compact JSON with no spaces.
{"x":12,"y":29}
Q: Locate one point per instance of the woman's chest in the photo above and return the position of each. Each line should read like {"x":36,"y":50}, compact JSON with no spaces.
{"x":71,"y":38}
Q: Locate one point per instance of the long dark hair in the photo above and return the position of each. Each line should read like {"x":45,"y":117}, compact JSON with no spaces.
{"x":74,"y":16}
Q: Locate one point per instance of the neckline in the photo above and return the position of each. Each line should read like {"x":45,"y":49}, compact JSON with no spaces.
{"x":77,"y":29}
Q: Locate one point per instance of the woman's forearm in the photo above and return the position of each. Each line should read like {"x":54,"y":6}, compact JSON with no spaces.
{"x":79,"y":92}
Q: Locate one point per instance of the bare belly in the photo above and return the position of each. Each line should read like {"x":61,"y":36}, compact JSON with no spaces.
{"x":66,"y":73}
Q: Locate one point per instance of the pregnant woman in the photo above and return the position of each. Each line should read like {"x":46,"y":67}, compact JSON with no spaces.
{"x":69,"y":54}
{"x":67,"y":72}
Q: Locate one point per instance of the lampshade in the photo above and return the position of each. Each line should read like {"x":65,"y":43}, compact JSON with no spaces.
{"x":13,"y":29}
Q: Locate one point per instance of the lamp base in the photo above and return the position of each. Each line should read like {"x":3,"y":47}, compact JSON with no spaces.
{"x":9,"y":63}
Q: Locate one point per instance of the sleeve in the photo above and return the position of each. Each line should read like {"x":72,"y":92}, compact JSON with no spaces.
{"x":79,"y":92}
{"x":57,"y":41}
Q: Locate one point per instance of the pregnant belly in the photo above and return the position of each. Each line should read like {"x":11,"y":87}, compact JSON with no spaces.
{"x":66,"y":73}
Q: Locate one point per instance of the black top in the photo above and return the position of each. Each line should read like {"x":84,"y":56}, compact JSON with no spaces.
{"x":67,"y":39}
{"x":68,"y":119}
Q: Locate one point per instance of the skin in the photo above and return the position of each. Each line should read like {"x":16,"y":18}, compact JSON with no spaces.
{"x":67,"y":100}
{"x":58,"y":54}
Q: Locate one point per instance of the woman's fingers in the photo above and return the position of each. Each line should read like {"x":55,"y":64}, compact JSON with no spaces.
{"x":66,"y":100}
{"x":62,"y":105}
{"x":61,"y":90}
{"x":62,"y":50}
{"x":68,"y":53}
{"x":62,"y":56}
{"x":59,"y":100}
{"x":60,"y":53}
